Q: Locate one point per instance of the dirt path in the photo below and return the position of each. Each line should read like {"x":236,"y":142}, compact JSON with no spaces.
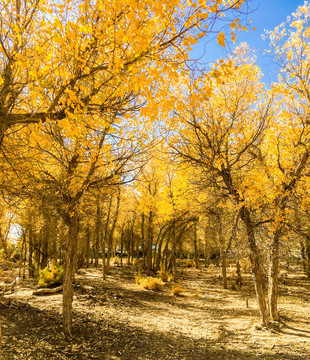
{"x":115,"y":319}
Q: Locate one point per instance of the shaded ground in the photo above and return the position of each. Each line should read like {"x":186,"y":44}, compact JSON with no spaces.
{"x":115,"y":319}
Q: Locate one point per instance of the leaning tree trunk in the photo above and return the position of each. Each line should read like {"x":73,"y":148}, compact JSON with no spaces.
{"x":68,"y":273}
{"x":256,"y":266}
{"x":273,"y":277}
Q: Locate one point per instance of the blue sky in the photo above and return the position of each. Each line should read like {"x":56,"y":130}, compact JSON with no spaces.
{"x":265,"y":14}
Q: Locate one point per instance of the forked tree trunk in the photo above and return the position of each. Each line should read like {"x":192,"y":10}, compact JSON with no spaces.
{"x":68,"y":273}
{"x":256,"y":266}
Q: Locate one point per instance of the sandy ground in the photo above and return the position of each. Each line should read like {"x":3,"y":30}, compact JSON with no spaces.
{"x":116,"y":319}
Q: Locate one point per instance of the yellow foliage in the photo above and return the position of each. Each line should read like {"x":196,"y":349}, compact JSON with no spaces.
{"x":51,"y":276}
{"x":189,"y":263}
{"x":177,"y":289}
{"x":164,"y":275}
{"x":150,"y":283}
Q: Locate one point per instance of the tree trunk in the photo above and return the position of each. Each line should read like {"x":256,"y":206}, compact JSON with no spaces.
{"x":273,"y":277}
{"x":122,"y":244}
{"x":87,"y":246}
{"x":150,"y":233}
{"x":158,"y":256}
{"x":30,"y":264}
{"x":143,"y":240}
{"x":256,"y":266}
{"x":173,"y":255}
{"x":239,"y":277}
{"x":24,"y":255}
{"x":103,"y":256}
{"x":97,"y":235}
{"x":196,"y":246}
{"x":106,"y":236}
{"x":307,"y":252}
{"x":111,"y":233}
{"x":206,"y":250}
{"x":68,"y":273}
{"x":44,"y":242}
{"x":222,"y":250}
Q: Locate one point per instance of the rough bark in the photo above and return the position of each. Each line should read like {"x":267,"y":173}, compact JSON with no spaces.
{"x":173,"y":255}
{"x":30,"y":264}
{"x":223,"y":252}
{"x":143,"y":239}
{"x":68,"y":273}
{"x":97,"y":235}
{"x":196,"y":246}
{"x":150,"y":235}
{"x":239,"y":276}
{"x":256,"y":266}
{"x":273,"y":277}
{"x":87,"y":240}
{"x":206,"y":250}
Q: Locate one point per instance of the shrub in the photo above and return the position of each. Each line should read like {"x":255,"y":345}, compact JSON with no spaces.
{"x":115,"y":260}
{"x":51,"y":276}
{"x":138,"y":278}
{"x":211,"y":269}
{"x":151,"y":283}
{"x":189,"y":263}
{"x":164,"y":275}
{"x":177,"y":290}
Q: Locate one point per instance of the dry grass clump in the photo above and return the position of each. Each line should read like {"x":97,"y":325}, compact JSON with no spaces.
{"x":149,"y":283}
{"x":115,"y":260}
{"x":164,"y":275}
{"x":177,"y":290}
{"x":210,"y":269}
{"x":189,"y":263}
{"x":138,"y":278}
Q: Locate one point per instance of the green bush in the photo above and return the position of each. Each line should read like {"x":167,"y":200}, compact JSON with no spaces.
{"x":51,"y":276}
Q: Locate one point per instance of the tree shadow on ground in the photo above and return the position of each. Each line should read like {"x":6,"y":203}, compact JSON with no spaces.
{"x":33,"y":334}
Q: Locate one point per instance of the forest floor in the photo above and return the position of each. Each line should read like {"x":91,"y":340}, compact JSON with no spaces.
{"x":116,"y":319}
